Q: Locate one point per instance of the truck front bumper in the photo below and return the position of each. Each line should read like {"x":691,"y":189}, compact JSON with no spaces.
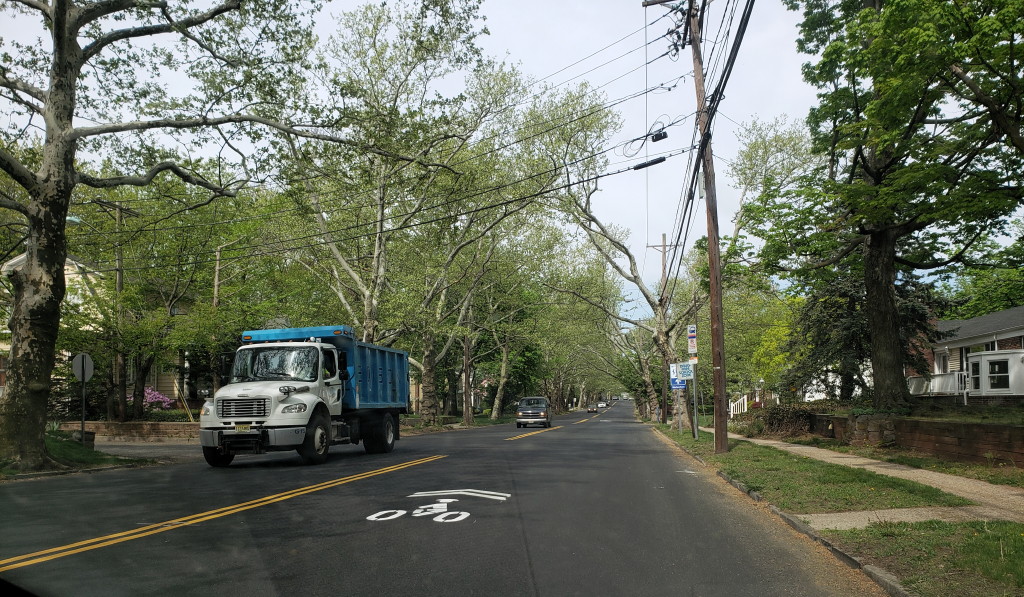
{"x":257,"y":440}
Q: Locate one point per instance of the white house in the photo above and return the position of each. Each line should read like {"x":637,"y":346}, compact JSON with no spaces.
{"x":982,"y":361}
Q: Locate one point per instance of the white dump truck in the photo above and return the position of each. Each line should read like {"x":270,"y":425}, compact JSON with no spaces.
{"x":305,"y":389}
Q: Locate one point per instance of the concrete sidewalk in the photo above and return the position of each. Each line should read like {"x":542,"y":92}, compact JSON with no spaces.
{"x":994,"y":502}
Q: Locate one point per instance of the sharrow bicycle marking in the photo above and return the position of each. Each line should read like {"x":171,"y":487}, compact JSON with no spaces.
{"x":439,"y":510}
{"x":54,"y":553}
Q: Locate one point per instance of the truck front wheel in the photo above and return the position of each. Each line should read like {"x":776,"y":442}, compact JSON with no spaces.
{"x":214,"y":457}
{"x":318,"y":440}
{"x":382,"y":438}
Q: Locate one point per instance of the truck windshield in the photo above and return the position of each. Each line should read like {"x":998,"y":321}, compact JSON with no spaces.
{"x":276,"y":363}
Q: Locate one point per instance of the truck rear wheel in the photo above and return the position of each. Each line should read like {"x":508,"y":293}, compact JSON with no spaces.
{"x":382,"y":438}
{"x":214,"y":457}
{"x":318,"y":440}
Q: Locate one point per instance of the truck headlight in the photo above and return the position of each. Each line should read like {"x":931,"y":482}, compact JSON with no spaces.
{"x":294,"y":408}
{"x":207,"y":410}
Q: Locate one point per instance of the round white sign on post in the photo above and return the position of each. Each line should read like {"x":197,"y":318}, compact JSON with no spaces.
{"x":82,"y":367}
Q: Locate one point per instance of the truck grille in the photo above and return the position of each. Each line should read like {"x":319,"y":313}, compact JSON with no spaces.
{"x":231,"y":408}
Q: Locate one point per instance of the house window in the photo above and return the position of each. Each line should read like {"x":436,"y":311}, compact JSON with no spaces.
{"x":942,"y":363}
{"x":975,"y":375}
{"x":999,"y":375}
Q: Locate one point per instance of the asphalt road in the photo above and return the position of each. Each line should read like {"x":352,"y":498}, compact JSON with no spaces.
{"x":596,"y":505}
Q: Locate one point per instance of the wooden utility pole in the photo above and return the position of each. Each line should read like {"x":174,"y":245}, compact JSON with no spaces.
{"x":721,"y":400}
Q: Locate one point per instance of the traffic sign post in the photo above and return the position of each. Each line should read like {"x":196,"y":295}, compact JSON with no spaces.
{"x":82,"y":367}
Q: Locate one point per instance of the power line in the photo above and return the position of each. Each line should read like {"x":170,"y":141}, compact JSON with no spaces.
{"x":248,"y":253}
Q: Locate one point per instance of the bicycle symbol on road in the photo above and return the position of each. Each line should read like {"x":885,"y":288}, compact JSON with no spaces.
{"x":439,"y":511}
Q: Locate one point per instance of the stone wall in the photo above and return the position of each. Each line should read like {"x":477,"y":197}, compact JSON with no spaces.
{"x":871,"y":430}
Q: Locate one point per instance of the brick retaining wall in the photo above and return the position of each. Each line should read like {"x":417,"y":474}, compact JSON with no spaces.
{"x":967,"y":442}
{"x":137,"y":430}
{"x":971,"y":442}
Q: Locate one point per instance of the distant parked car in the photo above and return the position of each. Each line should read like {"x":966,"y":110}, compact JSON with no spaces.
{"x":533,"y":410}
{"x":602,"y":405}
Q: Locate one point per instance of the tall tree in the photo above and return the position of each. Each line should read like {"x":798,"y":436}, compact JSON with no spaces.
{"x":111,"y":76}
{"x":916,"y":177}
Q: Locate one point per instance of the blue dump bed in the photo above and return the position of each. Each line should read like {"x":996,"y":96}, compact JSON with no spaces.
{"x":378,"y":375}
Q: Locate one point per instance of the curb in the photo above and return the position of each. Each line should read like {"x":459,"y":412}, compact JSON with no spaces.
{"x":74,"y":471}
{"x":884,"y":579}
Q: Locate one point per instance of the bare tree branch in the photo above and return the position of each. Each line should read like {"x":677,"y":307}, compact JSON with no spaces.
{"x":147,"y":178}
{"x":17,"y":171}
{"x":204,"y":122}
{"x":1000,"y":117}
{"x":6,"y":82}
{"x":121,"y":34}
{"x":39,"y":6}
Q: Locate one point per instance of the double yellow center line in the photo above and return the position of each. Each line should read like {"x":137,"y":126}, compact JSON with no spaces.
{"x":152,"y":529}
{"x":521,"y":436}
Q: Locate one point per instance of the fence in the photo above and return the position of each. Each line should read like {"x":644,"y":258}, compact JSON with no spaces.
{"x":737,"y":406}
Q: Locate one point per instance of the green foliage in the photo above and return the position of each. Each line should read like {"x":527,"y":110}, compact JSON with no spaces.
{"x":172,"y":415}
{"x":788,"y":419}
{"x":899,"y":193}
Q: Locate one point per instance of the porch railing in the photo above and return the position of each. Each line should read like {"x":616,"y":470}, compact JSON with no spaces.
{"x":954,"y":383}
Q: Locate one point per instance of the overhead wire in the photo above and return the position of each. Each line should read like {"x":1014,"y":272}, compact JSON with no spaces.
{"x":248,"y":253}
{"x":715,"y":99}
{"x":665,"y":86}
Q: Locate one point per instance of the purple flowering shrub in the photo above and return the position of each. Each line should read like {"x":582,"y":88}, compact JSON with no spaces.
{"x":156,"y":401}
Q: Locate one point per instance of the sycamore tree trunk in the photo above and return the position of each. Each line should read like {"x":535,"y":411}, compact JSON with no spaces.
{"x":651,"y":398}
{"x":499,"y":394}
{"x":451,"y":400}
{"x":143,"y":365}
{"x":35,"y":318}
{"x":890,"y":386}
{"x":669,"y":355}
{"x":428,"y":403}
{"x":39,"y":284}
{"x":467,"y":380}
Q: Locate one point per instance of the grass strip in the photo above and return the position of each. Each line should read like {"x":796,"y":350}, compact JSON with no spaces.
{"x":943,"y":559}
{"x":801,"y":485}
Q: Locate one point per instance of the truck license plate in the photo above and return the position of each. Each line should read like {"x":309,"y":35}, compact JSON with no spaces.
{"x":242,"y":428}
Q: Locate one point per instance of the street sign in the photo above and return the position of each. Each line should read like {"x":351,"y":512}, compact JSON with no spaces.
{"x":691,"y":339}
{"x":684,"y":370}
{"x":82,"y":367}
{"x":674,"y":379}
